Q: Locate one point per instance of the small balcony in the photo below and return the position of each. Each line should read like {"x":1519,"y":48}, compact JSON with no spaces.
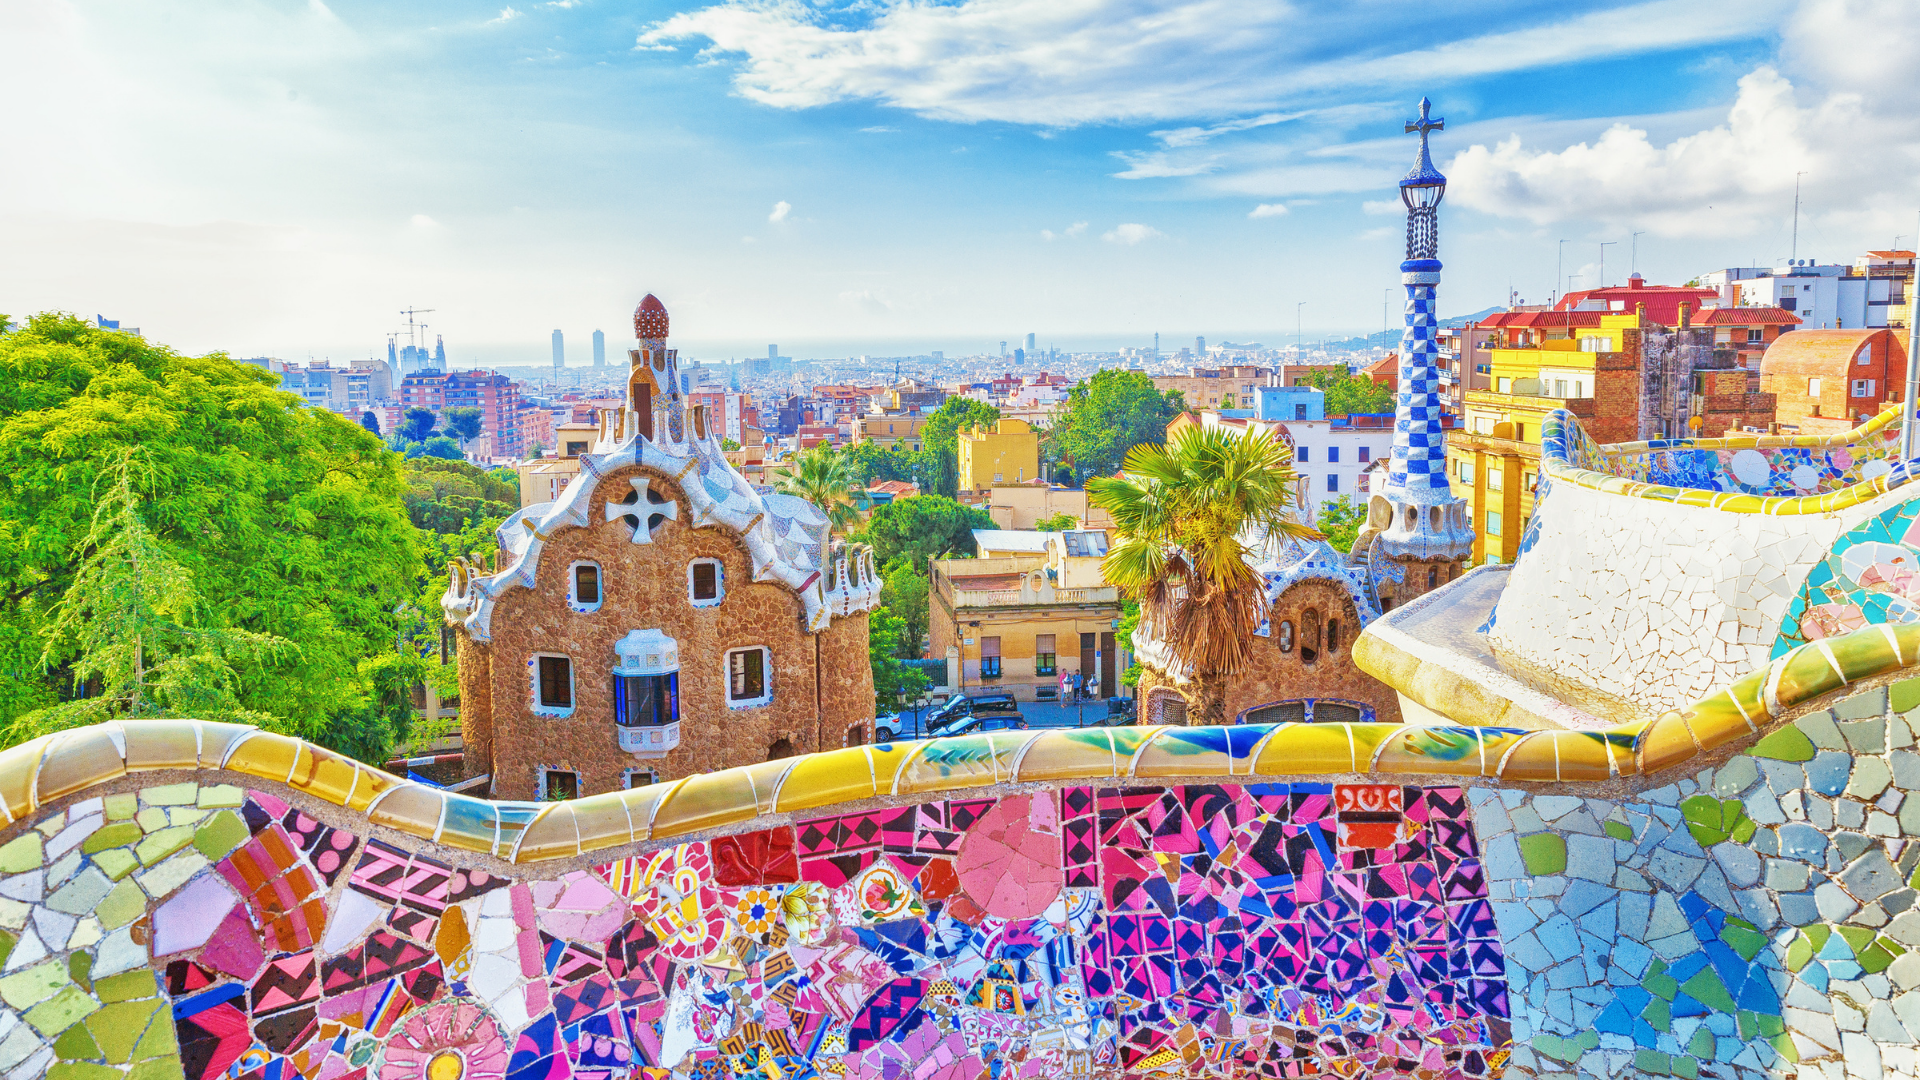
{"x":1020,"y":581}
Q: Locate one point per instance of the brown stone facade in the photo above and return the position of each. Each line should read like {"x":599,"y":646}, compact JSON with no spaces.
{"x":1318,"y":666}
{"x":821,"y":684}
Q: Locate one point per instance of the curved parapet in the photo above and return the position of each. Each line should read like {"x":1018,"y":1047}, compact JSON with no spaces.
{"x":1651,"y":572}
{"x":208,"y":900}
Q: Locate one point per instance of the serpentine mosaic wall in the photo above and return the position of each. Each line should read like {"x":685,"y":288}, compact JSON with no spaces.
{"x":1749,"y":918}
{"x":1787,"y":466}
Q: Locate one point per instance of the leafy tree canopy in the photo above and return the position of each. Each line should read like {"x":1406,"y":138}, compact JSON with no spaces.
{"x":437,"y":447}
{"x":891,"y":678}
{"x":1350,"y":394}
{"x":873,"y":462}
{"x":286,"y":520}
{"x":942,"y":429}
{"x":903,"y":589}
{"x":1340,"y":520}
{"x":463,"y":423}
{"x":449,"y":496}
{"x":1105,"y":417}
{"x":1061,"y":522}
{"x":920,"y":527}
{"x":416,"y":425}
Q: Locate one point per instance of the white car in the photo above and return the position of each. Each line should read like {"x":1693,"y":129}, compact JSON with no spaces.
{"x":886,"y":727}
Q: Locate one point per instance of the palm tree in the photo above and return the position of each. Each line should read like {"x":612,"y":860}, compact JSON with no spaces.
{"x":1185,"y":513}
{"x":827,"y":480}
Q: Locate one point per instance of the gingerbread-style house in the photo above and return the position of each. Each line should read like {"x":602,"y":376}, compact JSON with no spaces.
{"x":661,"y":617}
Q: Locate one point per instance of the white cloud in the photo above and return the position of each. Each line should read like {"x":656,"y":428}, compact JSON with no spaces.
{"x":1268,"y":210}
{"x":1071,"y":232}
{"x":1842,"y":118}
{"x":1130,"y":233}
{"x":1072,"y":62}
{"x":878,"y":129}
{"x":507,"y":14}
{"x":1155,"y":165}
{"x":423,"y":222}
{"x":1194,"y":136}
{"x":780,"y":211}
{"x":867,"y":301}
{"x":1383,"y":206}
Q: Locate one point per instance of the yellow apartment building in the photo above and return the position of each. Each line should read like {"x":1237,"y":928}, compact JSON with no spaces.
{"x":1037,"y":609}
{"x":888,"y":429}
{"x":1007,"y":454}
{"x":1493,"y":458}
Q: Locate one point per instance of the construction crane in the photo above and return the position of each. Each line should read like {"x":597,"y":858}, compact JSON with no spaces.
{"x":412,"y":327}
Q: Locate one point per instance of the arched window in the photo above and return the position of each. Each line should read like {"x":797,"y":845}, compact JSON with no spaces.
{"x":584,"y":586}
{"x":1286,"y":635}
{"x":1333,"y":634}
{"x":1433,"y":577}
{"x":1309,"y":636}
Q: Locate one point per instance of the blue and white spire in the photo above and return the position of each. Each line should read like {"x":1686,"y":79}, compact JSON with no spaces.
{"x":1428,"y":520}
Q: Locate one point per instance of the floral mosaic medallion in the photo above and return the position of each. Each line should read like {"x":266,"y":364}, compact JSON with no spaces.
{"x":454,"y":1039}
{"x":1870,"y":575}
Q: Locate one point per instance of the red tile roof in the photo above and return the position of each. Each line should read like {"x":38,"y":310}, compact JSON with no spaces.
{"x":1746,"y":316}
{"x":1663,"y":301}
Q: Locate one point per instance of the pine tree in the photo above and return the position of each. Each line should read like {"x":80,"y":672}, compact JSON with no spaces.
{"x":131,"y":616}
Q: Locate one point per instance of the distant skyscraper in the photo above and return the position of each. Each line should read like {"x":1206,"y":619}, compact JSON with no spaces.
{"x":1029,"y":344}
{"x":599,"y":349}
{"x":559,"y":350}
{"x":439,"y":352}
{"x":1200,"y":346}
{"x":393,"y":356}
{"x":1019,"y":356}
{"x":773,"y":352}
{"x":1156,"y":343}
{"x":1003,"y":348}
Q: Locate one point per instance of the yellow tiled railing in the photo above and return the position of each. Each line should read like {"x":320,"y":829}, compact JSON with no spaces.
{"x":62,"y":764}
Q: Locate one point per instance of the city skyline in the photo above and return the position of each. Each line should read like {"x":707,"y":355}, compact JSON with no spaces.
{"x":772,"y":173}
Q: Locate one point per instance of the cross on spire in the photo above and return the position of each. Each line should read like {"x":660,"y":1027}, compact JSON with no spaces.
{"x":1424,"y":125}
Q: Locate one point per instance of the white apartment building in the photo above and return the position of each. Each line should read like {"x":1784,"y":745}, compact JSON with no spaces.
{"x":1830,"y":296}
{"x":1329,"y":456}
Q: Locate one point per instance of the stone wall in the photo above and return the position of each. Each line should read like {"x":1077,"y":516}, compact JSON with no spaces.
{"x":645,"y":586}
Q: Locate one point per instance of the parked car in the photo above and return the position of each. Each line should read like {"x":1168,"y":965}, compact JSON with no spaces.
{"x":973,"y":725}
{"x":886,"y":727}
{"x":961,"y":705}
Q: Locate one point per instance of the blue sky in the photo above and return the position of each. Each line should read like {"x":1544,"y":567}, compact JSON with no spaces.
{"x":273,"y":176}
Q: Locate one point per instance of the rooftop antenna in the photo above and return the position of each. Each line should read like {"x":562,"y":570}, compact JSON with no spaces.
{"x":1559,"y":275}
{"x":1796,"y":214}
{"x":1636,"y":251}
{"x":1604,"y":245}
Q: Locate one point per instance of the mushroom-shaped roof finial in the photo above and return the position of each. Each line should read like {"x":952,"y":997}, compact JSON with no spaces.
{"x":650,"y":319}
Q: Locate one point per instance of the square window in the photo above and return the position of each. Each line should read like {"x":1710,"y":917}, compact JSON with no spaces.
{"x":704,"y":582}
{"x":989,"y":657}
{"x":1044,"y":658}
{"x":1304,"y":454}
{"x":1366,"y":453}
{"x":1333,"y":455}
{"x":1333,"y":481}
{"x":636,"y":778}
{"x":1493,"y":523}
{"x":747,"y":677}
{"x":553,"y":691}
{"x":559,"y":784}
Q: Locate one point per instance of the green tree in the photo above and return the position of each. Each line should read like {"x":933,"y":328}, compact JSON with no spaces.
{"x":1341,"y":520}
{"x":1181,"y":512}
{"x":942,"y":429}
{"x":440,"y":447}
{"x":451,"y":496}
{"x":873,"y":463}
{"x":920,"y":527}
{"x":463,"y":423}
{"x":370,"y":422}
{"x":1350,"y":394}
{"x":417,"y":424}
{"x":1105,"y":417}
{"x":1061,"y":522}
{"x":727,"y":443}
{"x":891,"y":678}
{"x":287,"y":520}
{"x":903,"y":589}
{"x":130,"y":628}
{"x":827,"y":480}
{"x":1129,"y":622}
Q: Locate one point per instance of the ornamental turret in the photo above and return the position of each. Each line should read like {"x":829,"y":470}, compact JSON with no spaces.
{"x":1416,"y":519}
